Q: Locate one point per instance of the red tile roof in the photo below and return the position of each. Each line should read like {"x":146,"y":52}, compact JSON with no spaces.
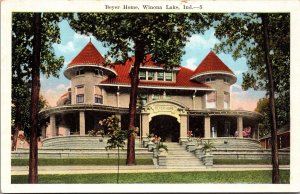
{"x":89,"y":55}
{"x":212,"y":63}
{"x":182,"y":78}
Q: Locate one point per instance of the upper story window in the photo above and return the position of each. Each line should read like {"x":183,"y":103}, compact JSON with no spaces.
{"x":151,"y":75}
{"x":156,"y":75}
{"x":226,"y":100}
{"x":98,"y":72}
{"x":142,"y":75}
{"x":79,"y":72}
{"x":98,"y":95}
{"x":80,"y":94}
{"x":168,"y":76}
{"x":211,"y":100}
{"x":210,"y":79}
{"x":226,"y":79}
{"x":160,"y":76}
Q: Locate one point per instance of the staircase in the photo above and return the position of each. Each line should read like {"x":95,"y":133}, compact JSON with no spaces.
{"x":179,"y":158}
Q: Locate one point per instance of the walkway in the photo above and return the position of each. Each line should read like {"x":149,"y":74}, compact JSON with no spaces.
{"x":23,"y":170}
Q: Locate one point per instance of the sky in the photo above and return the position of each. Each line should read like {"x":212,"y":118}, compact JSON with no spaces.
{"x":196,"y":49}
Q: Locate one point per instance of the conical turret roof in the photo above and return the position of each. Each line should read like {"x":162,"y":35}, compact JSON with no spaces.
{"x":212,"y":64}
{"x":89,"y":55}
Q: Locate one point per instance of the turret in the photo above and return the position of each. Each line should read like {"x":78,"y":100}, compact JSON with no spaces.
{"x":213,"y":72}
{"x":86,"y":71}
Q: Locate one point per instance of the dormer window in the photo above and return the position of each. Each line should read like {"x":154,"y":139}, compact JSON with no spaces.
{"x":142,"y":75}
{"x":168,"y":76}
{"x":160,"y":76}
{"x":151,"y":75}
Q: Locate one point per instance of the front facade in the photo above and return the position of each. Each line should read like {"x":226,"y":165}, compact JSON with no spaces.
{"x":170,"y":102}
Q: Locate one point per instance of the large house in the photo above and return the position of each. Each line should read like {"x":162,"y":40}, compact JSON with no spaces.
{"x":170,"y":102}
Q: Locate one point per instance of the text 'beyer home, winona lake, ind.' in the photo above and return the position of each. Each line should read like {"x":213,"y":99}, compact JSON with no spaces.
{"x":152,"y":7}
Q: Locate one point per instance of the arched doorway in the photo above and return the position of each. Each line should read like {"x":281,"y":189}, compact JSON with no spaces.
{"x":166,"y":127}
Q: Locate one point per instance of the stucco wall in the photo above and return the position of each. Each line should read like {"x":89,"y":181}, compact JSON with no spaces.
{"x":88,"y":80}
{"x":220,"y":87}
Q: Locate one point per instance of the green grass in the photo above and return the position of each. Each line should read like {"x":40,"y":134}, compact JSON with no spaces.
{"x":163,"y":177}
{"x":248,"y":161}
{"x":79,"y":161}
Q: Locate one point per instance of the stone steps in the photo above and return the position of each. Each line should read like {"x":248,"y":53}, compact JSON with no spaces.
{"x":178,"y":157}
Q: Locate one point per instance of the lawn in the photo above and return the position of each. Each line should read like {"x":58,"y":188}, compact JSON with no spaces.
{"x":79,"y":161}
{"x":263,"y":176}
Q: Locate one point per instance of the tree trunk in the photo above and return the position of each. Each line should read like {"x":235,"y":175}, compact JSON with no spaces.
{"x":134,"y":74}
{"x":17,"y":126}
{"x":275,"y":163}
{"x":33,"y":155}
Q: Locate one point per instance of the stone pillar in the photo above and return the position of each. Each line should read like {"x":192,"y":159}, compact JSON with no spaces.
{"x":240,"y":126}
{"x":145,"y":125}
{"x":118,"y":99}
{"x":119,"y":117}
{"x":82,"y":123}
{"x":194,"y":103}
{"x":44,"y":132}
{"x":207,"y":127}
{"x":52,"y":126}
{"x":183,"y":126}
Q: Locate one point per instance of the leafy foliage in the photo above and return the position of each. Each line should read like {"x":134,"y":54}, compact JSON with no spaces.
{"x":163,"y":35}
{"x":207,"y":146}
{"x":241,"y":34}
{"x":117,"y":136}
{"x":22,"y":59}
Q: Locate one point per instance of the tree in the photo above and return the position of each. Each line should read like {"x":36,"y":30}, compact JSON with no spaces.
{"x":161,"y":35}
{"x":117,"y":136}
{"x":32,"y":37}
{"x":264,"y":41}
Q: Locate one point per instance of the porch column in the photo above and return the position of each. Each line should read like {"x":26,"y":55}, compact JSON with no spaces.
{"x":119,"y":117}
{"x":44,"y":132}
{"x":82,"y":123}
{"x":52,"y":126}
{"x":118,"y":99}
{"x":240,"y":126}
{"x":183,"y":126}
{"x":183,"y":138}
{"x":207,"y":127}
{"x":145,"y":125}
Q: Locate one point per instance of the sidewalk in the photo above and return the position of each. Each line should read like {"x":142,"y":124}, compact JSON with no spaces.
{"x":23,"y":170}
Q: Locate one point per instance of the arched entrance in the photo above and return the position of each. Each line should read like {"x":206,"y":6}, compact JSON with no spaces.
{"x":166,"y":127}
